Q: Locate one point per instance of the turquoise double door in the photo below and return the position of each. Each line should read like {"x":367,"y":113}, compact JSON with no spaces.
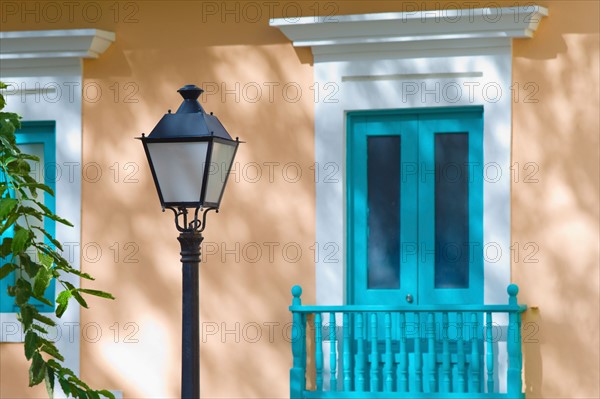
{"x":415,"y":207}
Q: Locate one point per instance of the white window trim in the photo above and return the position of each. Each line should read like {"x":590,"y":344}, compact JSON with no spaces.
{"x":414,"y":60}
{"x":44,"y":72}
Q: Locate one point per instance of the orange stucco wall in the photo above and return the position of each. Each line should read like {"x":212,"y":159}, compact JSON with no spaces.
{"x":161,"y":46}
{"x":557,"y":210}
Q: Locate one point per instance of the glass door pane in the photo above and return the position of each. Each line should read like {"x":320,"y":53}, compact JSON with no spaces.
{"x":452,"y":210}
{"x":383,"y":175}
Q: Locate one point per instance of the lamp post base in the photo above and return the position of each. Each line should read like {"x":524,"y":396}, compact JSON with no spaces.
{"x":190,"y":339}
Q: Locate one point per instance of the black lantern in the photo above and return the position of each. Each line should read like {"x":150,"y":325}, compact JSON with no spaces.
{"x":190,"y":154}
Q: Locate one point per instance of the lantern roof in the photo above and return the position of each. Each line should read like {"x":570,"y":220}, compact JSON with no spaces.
{"x":190,"y":120}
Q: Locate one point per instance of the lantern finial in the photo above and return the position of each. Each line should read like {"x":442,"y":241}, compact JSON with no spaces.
{"x":190,"y":105}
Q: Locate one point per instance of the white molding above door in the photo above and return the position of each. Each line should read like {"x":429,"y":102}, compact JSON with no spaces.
{"x":411,"y":34}
{"x":50,"y":52}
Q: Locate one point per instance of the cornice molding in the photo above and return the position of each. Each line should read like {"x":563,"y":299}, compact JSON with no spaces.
{"x":411,"y":32}
{"x":22,"y":51}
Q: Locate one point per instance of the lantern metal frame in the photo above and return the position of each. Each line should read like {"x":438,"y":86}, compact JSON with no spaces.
{"x":201,"y":203}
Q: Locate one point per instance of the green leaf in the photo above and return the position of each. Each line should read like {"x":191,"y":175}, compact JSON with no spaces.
{"x":37,"y":370}
{"x":39,"y":328}
{"x":63,"y":301}
{"x":106,"y":393}
{"x":51,"y":349}
{"x":10,"y":148}
{"x":49,"y":380}
{"x":6,"y":206}
{"x":44,"y":208}
{"x":20,"y":240}
{"x":45,"y":260}
{"x":42,"y":281}
{"x":76,"y":294}
{"x":40,"y":186}
{"x":9,"y":160}
{"x":31,"y":344}
{"x":20,"y":166}
{"x":30,"y":212}
{"x":79,"y":382}
{"x":30,"y":157}
{"x":101,"y":294}
{"x":59,"y":220}
{"x":93,"y":394}
{"x":81,"y":274}
{"x":5,"y":247}
{"x":79,"y":393}
{"x":9,"y":222}
{"x":7,"y":269}
{"x":43,"y":300}
{"x":44,"y":319}
{"x":65,"y":385}
{"x":49,"y":236}
{"x":31,"y":268}
{"x":22,"y":292}
{"x":27,"y":315}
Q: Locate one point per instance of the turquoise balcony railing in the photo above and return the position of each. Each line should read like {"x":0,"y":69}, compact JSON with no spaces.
{"x":441,"y":351}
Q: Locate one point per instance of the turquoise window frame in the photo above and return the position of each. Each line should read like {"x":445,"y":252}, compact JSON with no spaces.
{"x":417,"y":127}
{"x":36,"y":132}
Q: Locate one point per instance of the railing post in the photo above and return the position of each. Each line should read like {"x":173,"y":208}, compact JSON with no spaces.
{"x":298,"y":370}
{"x":515,"y":357}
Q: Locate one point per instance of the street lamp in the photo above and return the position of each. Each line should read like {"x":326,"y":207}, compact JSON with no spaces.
{"x":190,"y":155}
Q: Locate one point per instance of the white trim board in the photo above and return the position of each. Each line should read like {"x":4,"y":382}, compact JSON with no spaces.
{"x":415,"y":60}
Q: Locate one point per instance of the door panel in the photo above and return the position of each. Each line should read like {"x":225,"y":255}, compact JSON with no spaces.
{"x":415,"y":207}
{"x":382,"y":205}
{"x":451,"y":208}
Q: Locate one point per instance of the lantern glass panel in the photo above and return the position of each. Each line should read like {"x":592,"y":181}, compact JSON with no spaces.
{"x":179,"y":169}
{"x":221,"y":159}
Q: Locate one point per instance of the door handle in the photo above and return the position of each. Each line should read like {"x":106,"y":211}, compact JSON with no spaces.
{"x":409,"y":298}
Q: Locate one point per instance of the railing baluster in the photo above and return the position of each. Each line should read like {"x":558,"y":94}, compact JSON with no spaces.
{"x":489,"y":356}
{"x":515,"y":357}
{"x":460,"y":353}
{"x":431,"y":355}
{"x":360,"y":354}
{"x":374,"y":374}
{"x":332,"y":353}
{"x":389,"y":357}
{"x":418,"y":356}
{"x":319,"y":351}
{"x":403,"y":361}
{"x":475,"y":363}
{"x":347,"y":352}
{"x":298,"y":371}
{"x":412,"y":367}
{"x":446,"y":371}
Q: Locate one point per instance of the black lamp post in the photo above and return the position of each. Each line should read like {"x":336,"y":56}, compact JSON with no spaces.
{"x":190,"y":155}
